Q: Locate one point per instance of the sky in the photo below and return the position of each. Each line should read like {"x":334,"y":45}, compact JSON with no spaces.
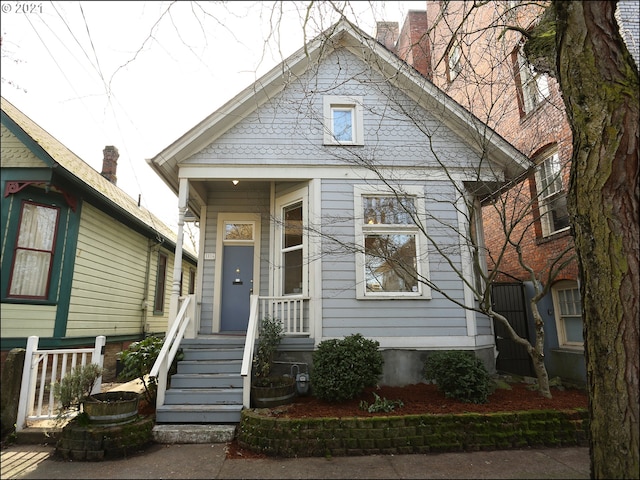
{"x":138,"y":75}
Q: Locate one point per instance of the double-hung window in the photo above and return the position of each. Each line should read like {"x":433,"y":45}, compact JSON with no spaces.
{"x":552,"y":198}
{"x":292,"y":249}
{"x":34,"y":251}
{"x":343,"y":120}
{"x":392,"y":261}
{"x":568,"y":313}
{"x":534,"y":86}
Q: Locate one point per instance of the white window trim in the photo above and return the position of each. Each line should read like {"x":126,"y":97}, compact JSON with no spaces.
{"x":297,"y":196}
{"x":228,"y":241}
{"x":231,"y":217}
{"x":529,"y":80}
{"x":544,"y":198}
{"x":560,"y":326}
{"x":422,"y":260}
{"x":343,"y":102}
{"x":454,"y":61}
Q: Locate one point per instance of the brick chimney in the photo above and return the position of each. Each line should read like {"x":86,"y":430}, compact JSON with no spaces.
{"x":110,"y":163}
{"x":413,"y":44}
{"x":387,"y":34}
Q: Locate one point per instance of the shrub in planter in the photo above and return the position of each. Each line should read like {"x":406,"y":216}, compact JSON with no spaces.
{"x":75,"y":387}
{"x":343,"y":368}
{"x":271,"y":333}
{"x":459,"y":375}
{"x":268,"y":390}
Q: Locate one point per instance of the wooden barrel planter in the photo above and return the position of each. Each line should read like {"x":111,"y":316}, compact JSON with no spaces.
{"x":111,"y":408}
{"x":280,"y":392}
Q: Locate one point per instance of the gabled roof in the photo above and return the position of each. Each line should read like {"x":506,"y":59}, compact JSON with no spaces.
{"x":68,"y":165}
{"x":342,"y":35}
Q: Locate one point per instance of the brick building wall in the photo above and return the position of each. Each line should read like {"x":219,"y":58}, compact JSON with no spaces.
{"x":486,"y":80}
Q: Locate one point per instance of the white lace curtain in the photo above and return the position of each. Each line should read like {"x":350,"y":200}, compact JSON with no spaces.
{"x":34,"y":250}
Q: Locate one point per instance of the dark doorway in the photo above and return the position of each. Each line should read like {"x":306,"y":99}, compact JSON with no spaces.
{"x":509,"y":301}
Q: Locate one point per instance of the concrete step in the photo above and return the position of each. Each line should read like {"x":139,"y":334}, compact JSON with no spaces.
{"x":214,"y":414}
{"x":209,"y":366}
{"x":190,"y":433}
{"x":201,"y":396}
{"x":230,"y":353}
{"x":206,"y":380}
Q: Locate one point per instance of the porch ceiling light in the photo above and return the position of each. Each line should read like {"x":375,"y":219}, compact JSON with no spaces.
{"x":235,"y":182}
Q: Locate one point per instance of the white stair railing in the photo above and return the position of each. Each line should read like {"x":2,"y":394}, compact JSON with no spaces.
{"x":170,"y":346}
{"x":247,"y":357}
{"x":43,"y":368}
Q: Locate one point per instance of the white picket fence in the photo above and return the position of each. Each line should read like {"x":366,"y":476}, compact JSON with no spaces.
{"x":42,"y":369}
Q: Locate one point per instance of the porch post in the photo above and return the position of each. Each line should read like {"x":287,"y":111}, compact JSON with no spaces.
{"x":177,"y":263}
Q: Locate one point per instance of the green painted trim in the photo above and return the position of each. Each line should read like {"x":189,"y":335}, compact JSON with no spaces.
{"x":68,"y":181}
{"x":26,"y":139}
{"x":67,"y":269}
{"x":8,"y":242}
{"x":24,"y":174}
{"x":56,"y":342}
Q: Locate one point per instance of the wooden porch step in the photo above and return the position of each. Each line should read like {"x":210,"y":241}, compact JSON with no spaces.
{"x":226,"y":353}
{"x":203,"y":396}
{"x":207,"y":387}
{"x":199,"y":414}
{"x":209,"y":366}
{"x":206,"y":380}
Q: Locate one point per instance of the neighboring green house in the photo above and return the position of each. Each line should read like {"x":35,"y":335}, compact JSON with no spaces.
{"x":80,"y":257}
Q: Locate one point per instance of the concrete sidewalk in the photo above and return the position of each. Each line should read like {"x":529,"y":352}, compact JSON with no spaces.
{"x":161,"y":461}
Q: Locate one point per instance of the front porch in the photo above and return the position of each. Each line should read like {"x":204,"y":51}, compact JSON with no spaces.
{"x":213,"y":379}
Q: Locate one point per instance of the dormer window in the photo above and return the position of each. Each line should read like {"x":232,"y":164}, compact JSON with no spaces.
{"x":343,"y":122}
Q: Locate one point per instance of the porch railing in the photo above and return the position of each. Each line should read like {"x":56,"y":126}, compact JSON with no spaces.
{"x":43,"y":368}
{"x":171,"y":344}
{"x":292,"y":312}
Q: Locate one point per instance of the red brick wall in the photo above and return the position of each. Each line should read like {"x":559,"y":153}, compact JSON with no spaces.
{"x":488,"y":86}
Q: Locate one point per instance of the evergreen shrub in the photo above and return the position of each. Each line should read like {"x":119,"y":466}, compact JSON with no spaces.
{"x":342,"y":368}
{"x":459,"y":375}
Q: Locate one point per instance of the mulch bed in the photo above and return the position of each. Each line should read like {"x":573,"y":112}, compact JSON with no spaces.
{"x":423,"y":399}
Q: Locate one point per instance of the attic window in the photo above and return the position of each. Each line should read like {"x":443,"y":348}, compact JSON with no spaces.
{"x":343,"y":122}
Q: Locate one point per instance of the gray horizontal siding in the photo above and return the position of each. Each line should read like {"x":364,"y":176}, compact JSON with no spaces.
{"x":344,"y":314}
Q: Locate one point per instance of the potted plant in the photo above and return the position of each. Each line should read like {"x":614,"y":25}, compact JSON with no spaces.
{"x":73,"y":392}
{"x":269,"y":390}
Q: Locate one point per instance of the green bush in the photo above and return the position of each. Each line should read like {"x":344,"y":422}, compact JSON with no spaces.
{"x":459,"y":375}
{"x":76,"y":386}
{"x":271,"y":333}
{"x":137,"y":361}
{"x":343,"y":368}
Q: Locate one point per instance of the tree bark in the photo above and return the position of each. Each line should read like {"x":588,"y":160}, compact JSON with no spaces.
{"x":599,"y":83}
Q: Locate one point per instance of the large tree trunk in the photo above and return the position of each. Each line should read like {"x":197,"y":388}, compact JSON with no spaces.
{"x":599,"y":83}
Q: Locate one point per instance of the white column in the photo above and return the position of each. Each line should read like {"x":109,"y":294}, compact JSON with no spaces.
{"x":183,"y":195}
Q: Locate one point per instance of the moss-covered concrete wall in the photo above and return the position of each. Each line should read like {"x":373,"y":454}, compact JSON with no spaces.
{"x":410,"y":434}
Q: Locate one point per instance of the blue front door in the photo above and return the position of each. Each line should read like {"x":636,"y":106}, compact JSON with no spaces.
{"x":237,"y":286}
